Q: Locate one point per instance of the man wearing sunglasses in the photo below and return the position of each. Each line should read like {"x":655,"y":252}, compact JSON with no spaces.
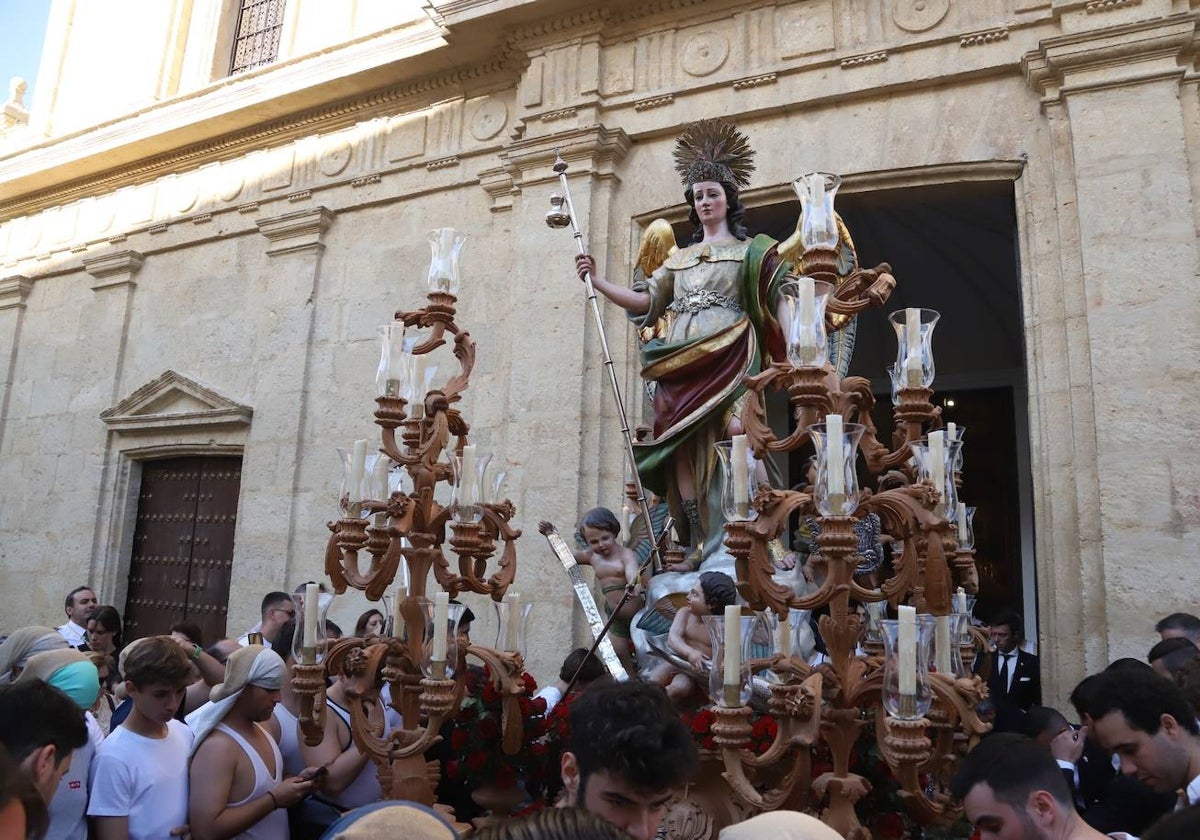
{"x":278,"y":609}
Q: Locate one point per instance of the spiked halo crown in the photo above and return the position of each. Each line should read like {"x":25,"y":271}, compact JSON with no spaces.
{"x":714,"y":150}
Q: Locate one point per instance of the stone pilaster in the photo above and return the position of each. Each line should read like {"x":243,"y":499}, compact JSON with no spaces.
{"x":13,"y":292}
{"x":286,"y":291}
{"x":1126,"y":223}
{"x":113,"y":279}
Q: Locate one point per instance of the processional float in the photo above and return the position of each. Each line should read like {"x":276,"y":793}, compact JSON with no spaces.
{"x":907,"y":680}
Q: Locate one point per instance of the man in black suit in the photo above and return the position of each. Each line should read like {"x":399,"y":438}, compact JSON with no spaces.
{"x":1014,"y":683}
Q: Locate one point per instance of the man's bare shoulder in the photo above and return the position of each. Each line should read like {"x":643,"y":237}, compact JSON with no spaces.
{"x":217,"y":748}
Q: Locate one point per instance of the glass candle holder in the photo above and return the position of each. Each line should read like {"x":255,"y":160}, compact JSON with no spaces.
{"x":960,"y":628}
{"x":938,"y":470}
{"x":469,"y":473}
{"x":356,"y":480}
{"x":391,"y":378}
{"x":914,"y":353}
{"x":947,"y":655}
{"x":420,"y":381}
{"x":954,"y":432}
{"x":964,"y":525}
{"x":445,"y":245}
{"x":310,"y":640}
{"x":894,"y":376}
{"x":818,"y":225}
{"x":876,"y":612}
{"x":906,"y":691}
{"x":739,"y":478}
{"x":835,"y":490}
{"x":964,"y":604}
{"x":801,"y":310}
{"x":512,"y":616}
{"x":451,"y":629}
{"x":737,"y":676}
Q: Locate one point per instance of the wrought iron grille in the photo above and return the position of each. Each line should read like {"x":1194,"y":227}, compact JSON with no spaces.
{"x":256,"y":42}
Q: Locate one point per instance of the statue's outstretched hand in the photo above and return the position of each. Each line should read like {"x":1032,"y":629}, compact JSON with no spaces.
{"x":585,"y":265}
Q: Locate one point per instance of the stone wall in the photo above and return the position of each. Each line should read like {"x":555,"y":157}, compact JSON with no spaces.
{"x":249,"y":236}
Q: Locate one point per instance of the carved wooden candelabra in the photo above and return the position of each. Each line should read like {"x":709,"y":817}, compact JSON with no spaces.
{"x":834,"y":701}
{"x":413,"y":528}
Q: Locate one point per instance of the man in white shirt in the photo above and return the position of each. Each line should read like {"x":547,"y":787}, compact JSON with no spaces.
{"x":80,"y":604}
{"x":278,"y":609}
{"x":139,"y":782}
{"x":1146,"y":721}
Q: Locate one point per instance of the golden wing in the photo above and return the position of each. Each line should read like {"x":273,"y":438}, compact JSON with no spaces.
{"x":658,"y":243}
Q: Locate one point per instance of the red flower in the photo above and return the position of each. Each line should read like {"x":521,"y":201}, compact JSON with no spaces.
{"x":454,"y":770}
{"x":476,"y":761}
{"x":505,"y":777}
{"x":458,"y":740}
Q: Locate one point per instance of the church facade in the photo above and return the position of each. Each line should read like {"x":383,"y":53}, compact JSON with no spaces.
{"x":212,"y":206}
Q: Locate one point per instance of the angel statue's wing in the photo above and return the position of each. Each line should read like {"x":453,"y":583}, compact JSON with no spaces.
{"x":658,"y":243}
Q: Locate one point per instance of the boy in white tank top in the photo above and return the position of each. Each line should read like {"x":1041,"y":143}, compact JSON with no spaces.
{"x":238,"y":788}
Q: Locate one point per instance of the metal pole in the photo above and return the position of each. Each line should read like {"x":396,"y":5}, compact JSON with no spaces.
{"x":560,"y":166}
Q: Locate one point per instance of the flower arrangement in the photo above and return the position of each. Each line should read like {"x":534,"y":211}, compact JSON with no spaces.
{"x":473,"y":753}
{"x":763,"y":728}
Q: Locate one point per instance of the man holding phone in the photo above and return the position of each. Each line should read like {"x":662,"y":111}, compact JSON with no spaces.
{"x":237,"y":784}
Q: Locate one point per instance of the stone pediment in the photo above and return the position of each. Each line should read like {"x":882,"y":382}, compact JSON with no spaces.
{"x":172,"y":401}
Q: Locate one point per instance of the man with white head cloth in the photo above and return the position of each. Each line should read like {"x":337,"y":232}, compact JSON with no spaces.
{"x":237,"y":786}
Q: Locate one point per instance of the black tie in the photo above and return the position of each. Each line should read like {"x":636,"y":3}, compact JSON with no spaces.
{"x":1004,"y":672}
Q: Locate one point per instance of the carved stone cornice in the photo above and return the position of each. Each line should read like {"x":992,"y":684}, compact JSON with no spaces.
{"x":173,"y":401}
{"x":302,"y":230}
{"x":13,"y":291}
{"x":113,"y":269}
{"x":1132,"y":53}
{"x":596,"y":150}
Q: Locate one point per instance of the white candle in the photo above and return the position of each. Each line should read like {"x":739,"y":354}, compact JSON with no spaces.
{"x":951,"y":432}
{"x":379,"y":478}
{"x":739,"y":455}
{"x":836,"y":455}
{"x":912,"y":340}
{"x":942,"y":644}
{"x":808,"y":337}
{"x":907,"y":650}
{"x":937,"y":468}
{"x":512,"y":630}
{"x":783,"y":635}
{"x":441,"y":618}
{"x":960,"y":601}
{"x":312,"y":614}
{"x":358,"y":458}
{"x":466,"y":481}
{"x":733,"y":648}
{"x":960,"y":516}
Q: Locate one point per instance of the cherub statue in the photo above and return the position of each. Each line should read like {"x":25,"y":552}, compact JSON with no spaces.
{"x":689,"y":638}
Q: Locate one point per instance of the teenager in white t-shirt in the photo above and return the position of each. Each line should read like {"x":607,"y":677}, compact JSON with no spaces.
{"x":139,"y":782}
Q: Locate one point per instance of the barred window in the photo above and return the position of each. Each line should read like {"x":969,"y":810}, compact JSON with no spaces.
{"x":256,"y":42}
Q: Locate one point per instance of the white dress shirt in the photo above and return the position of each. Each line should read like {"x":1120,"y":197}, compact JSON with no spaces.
{"x":73,"y":633}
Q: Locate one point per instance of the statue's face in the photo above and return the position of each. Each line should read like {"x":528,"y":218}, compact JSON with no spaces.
{"x":708,"y":199}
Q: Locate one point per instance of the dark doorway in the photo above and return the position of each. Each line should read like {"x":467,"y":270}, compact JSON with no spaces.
{"x":953,"y":248}
{"x":183,"y":546}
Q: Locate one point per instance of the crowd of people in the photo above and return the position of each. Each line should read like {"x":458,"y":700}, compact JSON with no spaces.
{"x":162,"y":737}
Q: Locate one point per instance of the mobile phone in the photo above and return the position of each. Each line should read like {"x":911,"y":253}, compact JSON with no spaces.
{"x":309,"y":774}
